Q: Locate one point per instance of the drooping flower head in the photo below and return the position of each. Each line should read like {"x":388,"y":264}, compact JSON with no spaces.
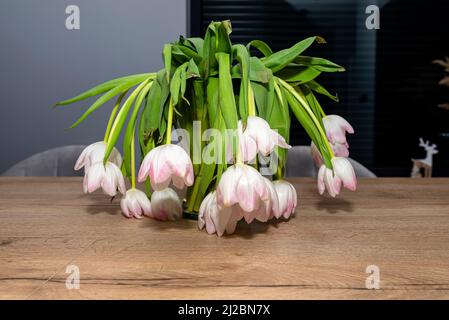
{"x":328,"y":181}
{"x":165,"y":164}
{"x":217,"y":220}
{"x":135,"y":204}
{"x":166,"y":205}
{"x":259,"y":137}
{"x":107,"y":176}
{"x":336,"y":128}
{"x":344,"y":170}
{"x":331,"y":180}
{"x":287,"y":196}
{"x":243,"y":185}
{"x":94,"y":153}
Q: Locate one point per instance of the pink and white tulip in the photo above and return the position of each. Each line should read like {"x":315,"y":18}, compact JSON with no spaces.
{"x":328,"y":181}
{"x":268,"y":208}
{"x":288,"y":198}
{"x":165,"y":164}
{"x":344,"y":170}
{"x":336,"y":128}
{"x":259,"y":137}
{"x":166,"y":205}
{"x":109,"y":177}
{"x":135,"y":204}
{"x":331,"y":180}
{"x":217,"y":220}
{"x":95,"y":153}
{"x":243,"y":185}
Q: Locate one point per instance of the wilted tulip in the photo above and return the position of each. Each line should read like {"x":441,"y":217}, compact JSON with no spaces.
{"x":344,"y":170}
{"x":165,"y":164}
{"x":269,"y":208}
{"x":107,"y":176}
{"x":259,"y":137}
{"x":242,"y":184}
{"x":336,"y":128}
{"x":165,"y":205}
{"x":216,"y":220}
{"x":328,"y":181}
{"x":135,"y":203}
{"x":287,"y":196}
{"x":95,"y":153}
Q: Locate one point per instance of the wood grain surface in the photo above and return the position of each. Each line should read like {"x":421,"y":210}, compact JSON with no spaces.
{"x":399,"y":225}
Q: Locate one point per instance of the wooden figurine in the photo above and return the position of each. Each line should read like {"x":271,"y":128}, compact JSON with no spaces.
{"x":423,"y":167}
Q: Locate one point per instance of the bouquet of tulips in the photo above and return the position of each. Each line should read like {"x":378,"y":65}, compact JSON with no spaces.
{"x":210,"y":127}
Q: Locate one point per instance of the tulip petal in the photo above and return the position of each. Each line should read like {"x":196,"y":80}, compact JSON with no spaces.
{"x":344,"y":171}
{"x":320,"y":180}
{"x":95,"y":176}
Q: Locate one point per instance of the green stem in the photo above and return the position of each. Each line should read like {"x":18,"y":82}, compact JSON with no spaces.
{"x":310,"y":112}
{"x":112,"y":116}
{"x":251,"y":104}
{"x":238,"y":157}
{"x":169,"y":121}
{"x":192,"y":199}
{"x":133,"y":162}
{"x":322,"y":112}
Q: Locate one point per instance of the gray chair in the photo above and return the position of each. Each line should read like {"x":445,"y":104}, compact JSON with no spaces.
{"x":54,"y":162}
{"x":300,"y":164}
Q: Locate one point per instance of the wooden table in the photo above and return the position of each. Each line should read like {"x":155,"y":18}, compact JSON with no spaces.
{"x":399,"y":225}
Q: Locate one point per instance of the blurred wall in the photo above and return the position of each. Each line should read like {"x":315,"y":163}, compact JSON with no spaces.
{"x":41,"y":62}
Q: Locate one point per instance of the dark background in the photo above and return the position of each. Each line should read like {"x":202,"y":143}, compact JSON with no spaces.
{"x":390,"y":91}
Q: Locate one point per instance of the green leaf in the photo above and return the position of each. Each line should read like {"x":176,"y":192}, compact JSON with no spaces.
{"x":120,"y":120}
{"x":279,"y":119}
{"x":261,"y":96}
{"x":270,"y":98}
{"x":130,"y":129}
{"x":189,"y":53}
{"x":242,"y":56}
{"x":163,"y":103}
{"x":305,"y":91}
{"x":261,"y":46}
{"x":226,"y":92}
{"x":106,"y":97}
{"x":192,"y":70}
{"x":223,"y":29}
{"x":298,"y":74}
{"x":257,"y":71}
{"x":277,"y":61}
{"x":319,"y":64}
{"x":154,"y":102}
{"x":212,"y":99}
{"x":106,"y":86}
{"x":308,"y":124}
{"x":209,"y":48}
{"x":315,"y":86}
{"x":166,"y":54}
{"x":178,"y":57}
{"x":197,"y":43}
{"x":175,"y":83}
